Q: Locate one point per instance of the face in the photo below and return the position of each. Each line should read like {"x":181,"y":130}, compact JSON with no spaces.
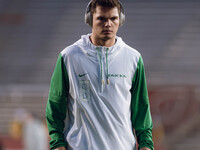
{"x":105,"y":23}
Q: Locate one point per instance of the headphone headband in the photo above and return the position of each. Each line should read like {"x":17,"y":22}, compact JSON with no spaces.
{"x":89,"y":18}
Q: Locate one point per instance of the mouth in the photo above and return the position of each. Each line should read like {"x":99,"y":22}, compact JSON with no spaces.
{"x":107,"y":31}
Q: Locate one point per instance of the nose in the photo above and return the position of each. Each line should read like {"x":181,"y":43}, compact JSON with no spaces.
{"x":108,"y":23}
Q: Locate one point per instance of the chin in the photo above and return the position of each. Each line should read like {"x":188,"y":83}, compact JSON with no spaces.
{"x":108,"y":37}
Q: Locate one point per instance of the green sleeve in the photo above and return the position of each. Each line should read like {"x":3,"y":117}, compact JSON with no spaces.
{"x":56,"y":105}
{"x":140,"y":108}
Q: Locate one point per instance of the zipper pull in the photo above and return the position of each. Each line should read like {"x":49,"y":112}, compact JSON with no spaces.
{"x":102,"y":81}
{"x":108,"y":81}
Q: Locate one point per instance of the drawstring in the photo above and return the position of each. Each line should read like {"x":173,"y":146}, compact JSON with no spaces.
{"x":108,"y":82}
{"x":100,"y":65}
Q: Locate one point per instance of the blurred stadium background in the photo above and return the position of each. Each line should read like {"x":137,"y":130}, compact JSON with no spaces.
{"x":165,"y":32}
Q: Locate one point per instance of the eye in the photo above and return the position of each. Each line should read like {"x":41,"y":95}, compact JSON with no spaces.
{"x":114,"y":18}
{"x":101,"y":18}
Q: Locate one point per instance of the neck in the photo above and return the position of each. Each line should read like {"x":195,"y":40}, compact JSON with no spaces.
{"x":102,"y":42}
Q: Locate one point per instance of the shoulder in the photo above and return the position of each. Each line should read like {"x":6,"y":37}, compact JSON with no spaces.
{"x":74,"y":49}
{"x":69,"y":50}
{"x":132,"y":53}
{"x":126,"y":49}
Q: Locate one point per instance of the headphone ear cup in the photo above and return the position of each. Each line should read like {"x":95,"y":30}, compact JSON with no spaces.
{"x":88,"y":19}
{"x":122,"y":15}
{"x":88,"y":15}
{"x":122,"y":19}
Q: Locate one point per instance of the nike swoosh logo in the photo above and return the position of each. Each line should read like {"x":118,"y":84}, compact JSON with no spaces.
{"x":81,"y":75}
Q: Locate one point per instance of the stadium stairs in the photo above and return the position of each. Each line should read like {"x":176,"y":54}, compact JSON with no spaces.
{"x":32,"y":33}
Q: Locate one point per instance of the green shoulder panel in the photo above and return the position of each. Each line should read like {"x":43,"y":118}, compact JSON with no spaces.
{"x":56,"y":105}
{"x":140,"y":108}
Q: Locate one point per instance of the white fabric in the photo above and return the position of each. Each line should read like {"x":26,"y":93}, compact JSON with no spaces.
{"x":99,"y":114}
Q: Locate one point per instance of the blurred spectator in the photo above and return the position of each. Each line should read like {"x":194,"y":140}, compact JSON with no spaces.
{"x":16,"y":127}
{"x":34,"y":133}
{"x":30,"y":129}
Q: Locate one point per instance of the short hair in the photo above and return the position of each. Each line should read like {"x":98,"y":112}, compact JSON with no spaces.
{"x":105,"y":3}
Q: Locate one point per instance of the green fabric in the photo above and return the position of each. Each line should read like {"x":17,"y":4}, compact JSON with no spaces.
{"x":140,"y":108}
{"x":56,"y":105}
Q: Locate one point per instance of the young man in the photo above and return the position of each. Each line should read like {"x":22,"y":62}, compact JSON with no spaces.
{"x":98,"y":94}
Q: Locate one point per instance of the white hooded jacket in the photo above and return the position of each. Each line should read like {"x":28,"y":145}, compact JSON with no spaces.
{"x":92,"y":91}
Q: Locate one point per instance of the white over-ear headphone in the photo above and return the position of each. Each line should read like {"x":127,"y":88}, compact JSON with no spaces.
{"x":88,"y":15}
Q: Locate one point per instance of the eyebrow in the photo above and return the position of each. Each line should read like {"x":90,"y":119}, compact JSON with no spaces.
{"x":103,"y":17}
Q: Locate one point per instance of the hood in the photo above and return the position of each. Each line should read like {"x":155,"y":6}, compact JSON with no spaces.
{"x":87,"y":47}
{"x":98,"y":51}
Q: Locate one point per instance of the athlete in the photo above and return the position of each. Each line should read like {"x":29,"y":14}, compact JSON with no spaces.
{"x":98,"y":97}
